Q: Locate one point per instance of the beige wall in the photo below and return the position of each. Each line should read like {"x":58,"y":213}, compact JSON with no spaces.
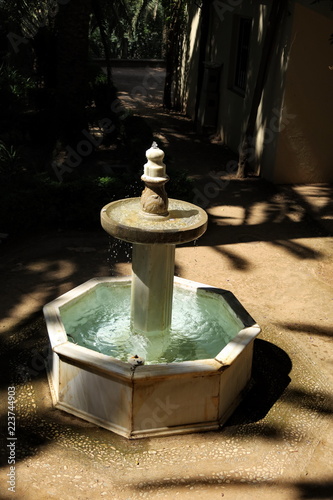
{"x":294,"y":139}
{"x":189,"y":69}
{"x":305,"y":145}
{"x":234,"y":108}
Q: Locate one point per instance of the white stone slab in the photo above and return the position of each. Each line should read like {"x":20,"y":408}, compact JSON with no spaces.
{"x":149,"y":400}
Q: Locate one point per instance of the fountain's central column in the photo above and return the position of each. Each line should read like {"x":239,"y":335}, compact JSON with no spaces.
{"x":153,"y":264}
{"x":154,"y":230}
{"x":152,"y":287}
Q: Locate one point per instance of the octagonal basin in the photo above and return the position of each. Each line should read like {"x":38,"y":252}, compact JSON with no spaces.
{"x":193,"y":376}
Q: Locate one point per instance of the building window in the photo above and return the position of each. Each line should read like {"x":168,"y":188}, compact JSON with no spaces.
{"x":242,"y":54}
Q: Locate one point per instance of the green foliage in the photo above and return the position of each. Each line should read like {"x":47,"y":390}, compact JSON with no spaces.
{"x":100,"y":92}
{"x":14,"y":82}
{"x":14,"y":88}
{"x":11,"y":161}
{"x":180,"y":185}
{"x":29,"y":198}
{"x":136,"y":138}
{"x":176,"y":19}
{"x":135,"y":32}
{"x":38,"y":203}
{"x":148,"y":41}
{"x":148,"y":26}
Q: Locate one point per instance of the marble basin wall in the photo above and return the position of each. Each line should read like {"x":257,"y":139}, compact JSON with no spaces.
{"x":149,"y":400}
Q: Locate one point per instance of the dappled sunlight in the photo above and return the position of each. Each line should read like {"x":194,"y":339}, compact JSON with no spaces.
{"x":263,"y":243}
{"x":263,"y":211}
{"x":253,"y":210}
{"x":62,"y":269}
{"x":194,"y":28}
{"x":260,"y":134}
{"x":49,"y":277}
{"x":318,"y":196}
{"x":221,"y":217}
{"x":262,"y":15}
{"x":33,"y":281}
{"x":175,"y":134}
{"x":27,"y":306}
{"x":121,"y":269}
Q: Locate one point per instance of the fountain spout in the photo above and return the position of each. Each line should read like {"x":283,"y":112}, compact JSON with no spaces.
{"x":153,"y":265}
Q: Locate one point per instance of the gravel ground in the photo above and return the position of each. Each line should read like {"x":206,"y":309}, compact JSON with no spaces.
{"x":269,"y":246}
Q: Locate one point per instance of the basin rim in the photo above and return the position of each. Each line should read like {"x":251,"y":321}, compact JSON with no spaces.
{"x":115,"y":368}
{"x":135,"y":234}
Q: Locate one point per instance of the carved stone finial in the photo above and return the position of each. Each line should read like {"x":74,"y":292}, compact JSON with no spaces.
{"x":154,"y":200}
{"x":154,"y":166}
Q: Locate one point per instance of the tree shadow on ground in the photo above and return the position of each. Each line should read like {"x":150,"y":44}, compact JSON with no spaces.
{"x":312,"y":490}
{"x":212,"y":166}
{"x":38,"y":423}
{"x":257,"y":211}
{"x":314,"y":402}
{"x":315,"y":490}
{"x":323,"y":331}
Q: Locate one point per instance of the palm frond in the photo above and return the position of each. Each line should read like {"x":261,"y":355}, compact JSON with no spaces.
{"x":142,"y":10}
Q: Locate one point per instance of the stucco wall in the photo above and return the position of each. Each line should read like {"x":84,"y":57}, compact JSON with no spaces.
{"x":293,"y":140}
{"x":305,"y":145}
{"x":273,"y":116}
{"x":233,"y":107}
{"x":190,"y":62}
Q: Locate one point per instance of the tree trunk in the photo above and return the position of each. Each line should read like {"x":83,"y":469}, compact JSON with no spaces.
{"x":277,"y":10}
{"x":105,"y":41}
{"x":204,"y":32}
{"x":167,"y":95}
{"x":72,"y":57}
{"x":174,"y":35}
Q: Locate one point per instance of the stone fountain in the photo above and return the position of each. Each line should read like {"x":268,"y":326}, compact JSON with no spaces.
{"x":151,"y":354}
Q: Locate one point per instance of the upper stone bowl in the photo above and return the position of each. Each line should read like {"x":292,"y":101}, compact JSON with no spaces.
{"x":125,"y":220}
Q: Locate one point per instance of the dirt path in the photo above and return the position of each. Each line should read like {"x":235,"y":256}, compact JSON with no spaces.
{"x":263,"y":244}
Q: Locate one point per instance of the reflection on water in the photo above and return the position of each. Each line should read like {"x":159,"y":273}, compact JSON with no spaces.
{"x":182,"y":214}
{"x":201,"y":326}
{"x":128,"y":213}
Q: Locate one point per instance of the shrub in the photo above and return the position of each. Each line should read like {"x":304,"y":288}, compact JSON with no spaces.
{"x":11,"y":161}
{"x":14,"y":89}
{"x":38,"y":203}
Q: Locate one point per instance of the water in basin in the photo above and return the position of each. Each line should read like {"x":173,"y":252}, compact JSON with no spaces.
{"x":128,"y":213}
{"x":202,"y":324}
